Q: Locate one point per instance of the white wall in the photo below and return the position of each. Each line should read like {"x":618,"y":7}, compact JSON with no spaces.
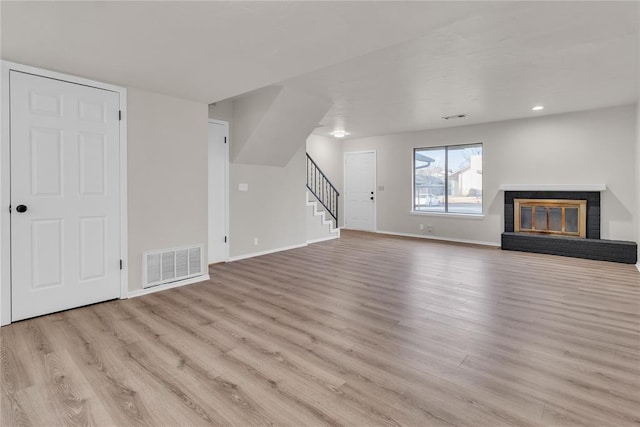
{"x":327,"y":153}
{"x":248,"y":111}
{"x":576,"y":148}
{"x":222,"y":110}
{"x":273,"y":210}
{"x":271,"y":123}
{"x":167,"y":168}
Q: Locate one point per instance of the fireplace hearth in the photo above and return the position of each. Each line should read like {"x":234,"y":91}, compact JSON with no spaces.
{"x":563,"y":223}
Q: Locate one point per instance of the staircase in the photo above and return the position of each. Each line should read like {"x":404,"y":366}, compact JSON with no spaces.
{"x":322,"y":205}
{"x":319,"y":228}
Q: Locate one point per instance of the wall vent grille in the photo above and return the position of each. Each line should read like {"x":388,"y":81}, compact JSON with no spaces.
{"x":171,"y":265}
{"x":455,"y":116}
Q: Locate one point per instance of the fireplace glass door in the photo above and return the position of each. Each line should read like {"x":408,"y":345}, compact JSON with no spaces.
{"x":544,"y":216}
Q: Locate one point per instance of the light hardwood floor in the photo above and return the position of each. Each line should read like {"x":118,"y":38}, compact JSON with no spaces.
{"x":364,"y":330}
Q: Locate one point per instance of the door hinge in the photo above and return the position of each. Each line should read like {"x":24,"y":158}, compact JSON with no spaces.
{"x":119,"y":114}
{"x":225,"y":239}
{"x":120,"y":264}
{"x":225,"y":139}
{"x":9,"y":208}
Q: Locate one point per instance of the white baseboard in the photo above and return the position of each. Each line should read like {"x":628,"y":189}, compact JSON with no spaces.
{"x":323,"y":239}
{"x":153,"y":289}
{"x":638,"y":266}
{"x":267,"y":252}
{"x":445,"y":239}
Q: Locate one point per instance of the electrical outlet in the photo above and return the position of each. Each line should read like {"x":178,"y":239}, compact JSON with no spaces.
{"x":429,"y":228}
{"x":421,"y":226}
{"x":255,"y":241}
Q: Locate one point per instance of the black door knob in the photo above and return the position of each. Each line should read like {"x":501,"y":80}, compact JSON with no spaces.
{"x":21,"y":208}
{"x":371,"y":197}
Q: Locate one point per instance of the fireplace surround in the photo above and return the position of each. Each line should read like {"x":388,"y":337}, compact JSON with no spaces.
{"x":590,"y":247}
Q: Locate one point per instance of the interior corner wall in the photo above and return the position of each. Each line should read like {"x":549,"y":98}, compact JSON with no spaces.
{"x":589,"y":147}
{"x":167,"y":176}
{"x":328,"y":155}
{"x":637,"y":189}
{"x":272,"y":210}
{"x":222,"y":110}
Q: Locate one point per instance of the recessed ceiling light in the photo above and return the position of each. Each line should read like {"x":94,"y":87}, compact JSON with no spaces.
{"x":538,"y":108}
{"x":339,"y":133}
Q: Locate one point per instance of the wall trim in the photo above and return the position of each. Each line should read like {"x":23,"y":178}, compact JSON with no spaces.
{"x":638,"y":266}
{"x":323,"y":239}
{"x":5,"y":176}
{"x":124,"y":209}
{"x":443,"y":239}
{"x":267,"y":252}
{"x":553,"y":187}
{"x":448,"y":215}
{"x":179,"y":283}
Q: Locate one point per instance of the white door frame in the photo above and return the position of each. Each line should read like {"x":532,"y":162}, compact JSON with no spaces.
{"x":226,"y":187}
{"x":375,"y":185}
{"x":5,"y":177}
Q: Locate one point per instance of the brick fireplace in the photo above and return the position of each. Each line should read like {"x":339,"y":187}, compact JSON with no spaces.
{"x":560,"y":221}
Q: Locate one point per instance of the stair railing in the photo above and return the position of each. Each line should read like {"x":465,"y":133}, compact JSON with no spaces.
{"x":322,"y":188}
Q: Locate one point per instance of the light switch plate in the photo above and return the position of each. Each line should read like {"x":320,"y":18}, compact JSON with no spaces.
{"x":243,"y":187}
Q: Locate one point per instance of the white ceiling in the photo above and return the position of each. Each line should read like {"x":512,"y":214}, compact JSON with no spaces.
{"x":565,"y":56}
{"x":386,"y":66}
{"x":208,"y":51}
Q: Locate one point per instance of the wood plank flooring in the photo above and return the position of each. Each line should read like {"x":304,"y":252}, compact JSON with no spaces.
{"x":364,"y":330}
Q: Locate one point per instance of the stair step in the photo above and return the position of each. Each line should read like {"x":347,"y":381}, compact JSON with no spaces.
{"x":324,"y":222}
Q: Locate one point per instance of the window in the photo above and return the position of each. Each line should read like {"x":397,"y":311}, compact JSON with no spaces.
{"x":448,"y":179}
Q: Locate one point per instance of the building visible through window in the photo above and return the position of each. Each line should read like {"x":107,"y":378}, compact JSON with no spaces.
{"x":448,"y":179}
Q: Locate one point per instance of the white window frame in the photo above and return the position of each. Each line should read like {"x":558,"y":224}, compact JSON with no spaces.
{"x":413,"y":211}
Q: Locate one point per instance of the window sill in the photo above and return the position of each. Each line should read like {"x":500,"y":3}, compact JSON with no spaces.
{"x":447,"y":214}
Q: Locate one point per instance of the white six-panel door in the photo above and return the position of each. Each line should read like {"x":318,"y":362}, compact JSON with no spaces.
{"x":65,"y":248}
{"x":360,"y":190}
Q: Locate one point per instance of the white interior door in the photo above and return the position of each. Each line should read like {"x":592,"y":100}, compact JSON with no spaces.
{"x":360,"y":190}
{"x":218,"y":164}
{"x":65,"y":191}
